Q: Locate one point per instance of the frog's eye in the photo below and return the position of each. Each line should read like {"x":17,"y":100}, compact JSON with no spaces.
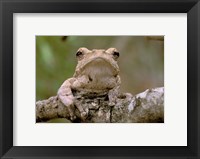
{"x":115,"y":54}
{"x":79,"y":53}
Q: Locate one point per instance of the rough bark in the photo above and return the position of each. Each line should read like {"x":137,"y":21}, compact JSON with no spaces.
{"x":146,"y":107}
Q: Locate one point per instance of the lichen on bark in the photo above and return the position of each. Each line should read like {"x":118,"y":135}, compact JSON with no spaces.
{"x":146,"y":107}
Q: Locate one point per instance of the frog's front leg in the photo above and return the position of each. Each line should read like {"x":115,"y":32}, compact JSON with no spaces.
{"x":67,"y":98}
{"x":112,"y":96}
{"x":78,"y":84}
{"x":113,"y":93}
{"x":65,"y":95}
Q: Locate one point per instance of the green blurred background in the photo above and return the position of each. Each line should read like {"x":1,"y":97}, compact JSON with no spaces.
{"x":141,"y":61}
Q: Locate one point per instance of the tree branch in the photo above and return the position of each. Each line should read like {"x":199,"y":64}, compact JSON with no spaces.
{"x":145,"y":107}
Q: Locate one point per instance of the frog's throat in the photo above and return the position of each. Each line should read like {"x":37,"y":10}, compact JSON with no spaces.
{"x":111,"y":62}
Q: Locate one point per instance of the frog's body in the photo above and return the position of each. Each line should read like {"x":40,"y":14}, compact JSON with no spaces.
{"x":97,"y":71}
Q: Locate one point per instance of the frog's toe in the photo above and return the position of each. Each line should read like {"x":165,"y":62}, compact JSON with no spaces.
{"x":111,"y":104}
{"x":84,"y":115}
{"x":73,"y":117}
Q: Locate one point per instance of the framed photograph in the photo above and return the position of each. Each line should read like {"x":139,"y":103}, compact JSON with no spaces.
{"x":96,"y":79}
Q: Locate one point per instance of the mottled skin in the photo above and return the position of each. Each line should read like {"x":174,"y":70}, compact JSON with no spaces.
{"x":97,"y":71}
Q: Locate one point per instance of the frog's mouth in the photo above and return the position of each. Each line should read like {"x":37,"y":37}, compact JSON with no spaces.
{"x":100,"y":66}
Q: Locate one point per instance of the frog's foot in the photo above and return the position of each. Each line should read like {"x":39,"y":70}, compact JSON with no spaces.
{"x":68,"y":101}
{"x":83,"y":113}
{"x":71,"y":109}
{"x":72,"y":117}
{"x":112,"y":96}
{"x":112,"y":100}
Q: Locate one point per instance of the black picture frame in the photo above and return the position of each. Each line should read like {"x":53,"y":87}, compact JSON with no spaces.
{"x":191,"y":7}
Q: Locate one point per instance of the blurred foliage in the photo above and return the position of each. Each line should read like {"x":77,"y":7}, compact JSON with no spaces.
{"x":141,"y":61}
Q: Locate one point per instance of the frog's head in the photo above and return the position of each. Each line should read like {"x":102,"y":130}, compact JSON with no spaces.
{"x":97,"y":61}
